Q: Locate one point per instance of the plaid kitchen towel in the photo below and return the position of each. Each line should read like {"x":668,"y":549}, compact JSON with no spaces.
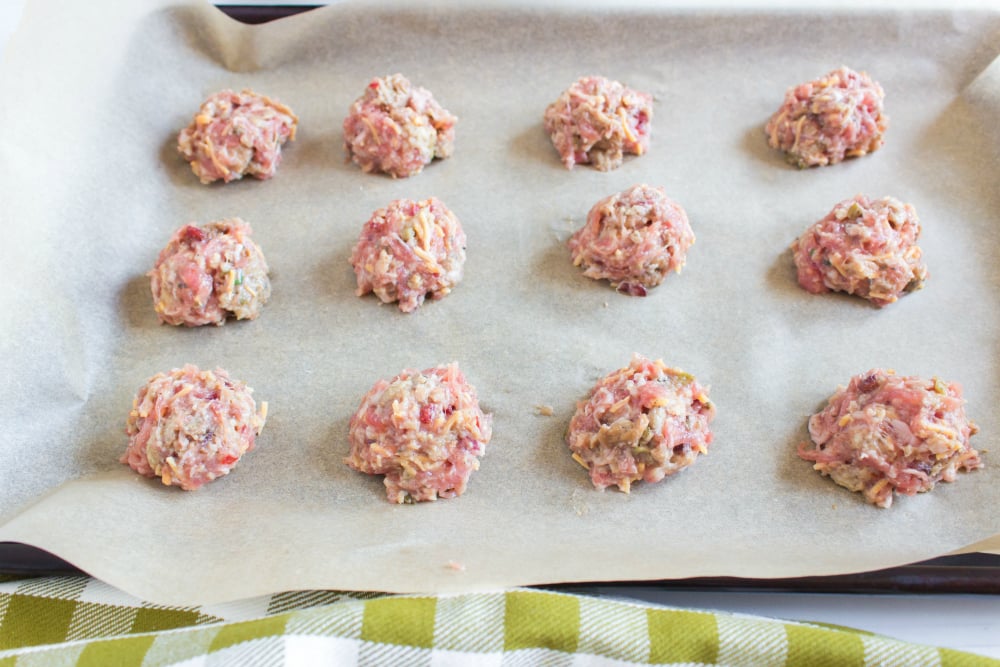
{"x":78,"y":621}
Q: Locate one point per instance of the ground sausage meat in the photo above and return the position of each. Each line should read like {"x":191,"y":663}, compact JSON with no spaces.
{"x":641,"y":422}
{"x":885,"y":433}
{"x":397,"y":128}
{"x":207,"y":273}
{"x":633,"y":239}
{"x":408,"y":251}
{"x":824,"y":121}
{"x":236,"y":134}
{"x":863,"y":247}
{"x":423,"y":430}
{"x":597,"y":120}
{"x":189,"y":426}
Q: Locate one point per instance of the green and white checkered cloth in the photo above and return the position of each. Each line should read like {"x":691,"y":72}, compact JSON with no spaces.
{"x":78,"y":621}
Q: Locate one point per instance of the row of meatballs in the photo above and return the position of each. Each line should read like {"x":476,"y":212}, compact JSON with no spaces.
{"x":425,"y":432}
{"x":397,"y":128}
{"x":411,"y":250}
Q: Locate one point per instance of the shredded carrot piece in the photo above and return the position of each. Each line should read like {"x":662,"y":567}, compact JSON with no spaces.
{"x":620,"y":404}
{"x":371,"y":128}
{"x":878,"y":486}
{"x":944,"y":430}
{"x":452,"y":420}
{"x":429,"y":260}
{"x":628,"y":130}
{"x":210,"y":149}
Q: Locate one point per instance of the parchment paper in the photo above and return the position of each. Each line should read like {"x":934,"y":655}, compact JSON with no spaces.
{"x":92,"y":97}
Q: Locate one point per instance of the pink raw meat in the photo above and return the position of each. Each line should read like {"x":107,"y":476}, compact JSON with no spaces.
{"x":597,"y":120}
{"x":235,"y":134}
{"x":885,"y":432}
{"x":423,"y":430}
{"x":397,"y":128}
{"x":863,"y":247}
{"x":189,"y":427}
{"x":824,"y":121}
{"x":633,"y":239}
{"x":208,"y":273}
{"x":641,"y":422}
{"x":410,"y":250}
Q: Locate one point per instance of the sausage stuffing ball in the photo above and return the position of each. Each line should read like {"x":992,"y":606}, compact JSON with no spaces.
{"x":237,"y":134}
{"x":423,"y":430}
{"x":885,"y":432}
{"x":189,"y":426}
{"x":596,"y":121}
{"x":208,"y":273}
{"x":863,"y":247}
{"x":641,"y":422}
{"x":397,"y":128}
{"x":822,"y":122}
{"x":633,"y":239}
{"x":408,"y":251}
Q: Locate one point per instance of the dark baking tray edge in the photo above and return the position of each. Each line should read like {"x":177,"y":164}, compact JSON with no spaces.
{"x":974,"y":573}
{"x":262,"y":14}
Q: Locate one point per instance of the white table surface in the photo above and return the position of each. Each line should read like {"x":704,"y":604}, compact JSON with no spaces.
{"x":965,"y":622}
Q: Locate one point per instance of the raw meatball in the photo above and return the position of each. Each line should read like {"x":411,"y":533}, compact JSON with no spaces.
{"x":237,"y":134}
{"x":409,"y":250}
{"x":191,"y":426}
{"x":397,"y":128}
{"x":423,"y":430}
{"x":641,"y":422}
{"x":596,"y":121}
{"x":208,"y":273}
{"x":863,"y":247}
{"x":633,"y":239}
{"x":885,"y":432}
{"x":821,"y":122}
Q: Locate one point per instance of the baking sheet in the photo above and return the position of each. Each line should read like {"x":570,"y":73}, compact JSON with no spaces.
{"x":93,"y":189}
